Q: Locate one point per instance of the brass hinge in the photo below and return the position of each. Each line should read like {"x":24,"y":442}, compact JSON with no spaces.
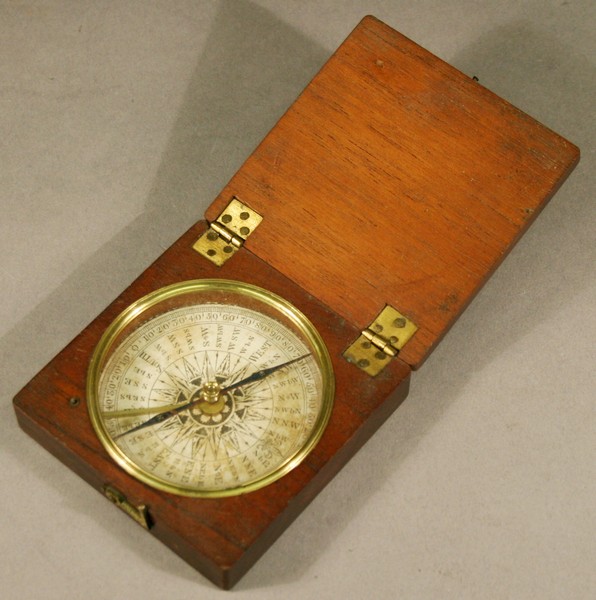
{"x":139,"y":513}
{"x":227,"y":234}
{"x":381,"y":341}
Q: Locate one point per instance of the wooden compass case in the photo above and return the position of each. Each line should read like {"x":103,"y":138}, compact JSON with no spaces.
{"x":393,"y":180}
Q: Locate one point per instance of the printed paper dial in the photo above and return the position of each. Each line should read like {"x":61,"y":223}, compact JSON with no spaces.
{"x":212,"y":397}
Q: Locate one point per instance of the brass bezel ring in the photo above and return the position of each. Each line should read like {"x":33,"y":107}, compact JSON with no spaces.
{"x":136,"y":311}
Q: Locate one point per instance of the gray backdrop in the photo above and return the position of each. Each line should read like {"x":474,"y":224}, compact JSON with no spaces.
{"x":121,"y":120}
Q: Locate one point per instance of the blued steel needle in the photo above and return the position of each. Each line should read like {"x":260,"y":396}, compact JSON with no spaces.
{"x":257,"y":376}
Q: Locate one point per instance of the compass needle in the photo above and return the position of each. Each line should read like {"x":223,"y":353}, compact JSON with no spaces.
{"x":165,"y":414}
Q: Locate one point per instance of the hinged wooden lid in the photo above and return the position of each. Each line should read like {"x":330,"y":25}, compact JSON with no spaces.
{"x":396,"y":179}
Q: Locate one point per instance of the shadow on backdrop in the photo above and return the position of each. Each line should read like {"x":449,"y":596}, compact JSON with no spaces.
{"x":251,"y":70}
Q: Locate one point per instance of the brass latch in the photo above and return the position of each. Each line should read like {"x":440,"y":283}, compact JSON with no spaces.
{"x":139,"y":513}
{"x":380,"y":341}
{"x":227,"y":234}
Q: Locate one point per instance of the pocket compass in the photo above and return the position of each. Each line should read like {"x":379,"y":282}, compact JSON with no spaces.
{"x":221,"y":391}
{"x":210,"y":388}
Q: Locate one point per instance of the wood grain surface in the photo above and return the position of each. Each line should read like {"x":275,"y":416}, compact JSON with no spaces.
{"x":394,"y":178}
{"x":221,"y":537}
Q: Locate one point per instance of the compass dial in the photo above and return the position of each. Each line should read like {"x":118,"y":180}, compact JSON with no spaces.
{"x":210,"y":388}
